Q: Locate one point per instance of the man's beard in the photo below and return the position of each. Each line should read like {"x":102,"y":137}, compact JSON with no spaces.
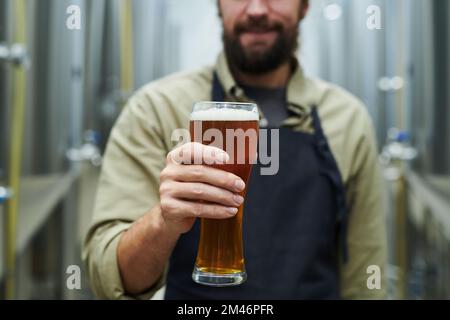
{"x":281,"y":51}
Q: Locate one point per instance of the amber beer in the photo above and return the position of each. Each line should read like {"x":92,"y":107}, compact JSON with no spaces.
{"x":220,"y":258}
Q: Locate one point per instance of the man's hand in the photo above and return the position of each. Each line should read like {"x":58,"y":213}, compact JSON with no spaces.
{"x":186,"y":192}
{"x":197,"y":191}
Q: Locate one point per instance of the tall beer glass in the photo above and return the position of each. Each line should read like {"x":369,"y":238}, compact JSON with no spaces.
{"x":233,"y":127}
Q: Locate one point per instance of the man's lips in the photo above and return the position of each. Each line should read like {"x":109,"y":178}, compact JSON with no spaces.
{"x":258,"y":36}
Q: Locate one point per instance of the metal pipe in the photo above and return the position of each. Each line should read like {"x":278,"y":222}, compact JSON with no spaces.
{"x":126,"y":47}
{"x":15,"y":154}
{"x":401,"y":220}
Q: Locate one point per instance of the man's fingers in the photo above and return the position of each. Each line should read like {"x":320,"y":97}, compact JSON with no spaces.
{"x":205,"y":192}
{"x":191,"y":188}
{"x":197,"y":153}
{"x":181,"y":209}
{"x":204,"y":174}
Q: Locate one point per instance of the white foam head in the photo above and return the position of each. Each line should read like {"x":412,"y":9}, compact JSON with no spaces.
{"x":226,"y":114}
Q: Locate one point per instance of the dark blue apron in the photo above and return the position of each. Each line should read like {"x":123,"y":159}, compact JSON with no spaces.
{"x":293,"y":227}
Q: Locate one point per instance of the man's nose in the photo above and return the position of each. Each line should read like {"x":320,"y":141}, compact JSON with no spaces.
{"x":257,"y":8}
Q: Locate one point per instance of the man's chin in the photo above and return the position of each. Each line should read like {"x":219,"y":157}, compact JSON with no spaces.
{"x":258,"y":57}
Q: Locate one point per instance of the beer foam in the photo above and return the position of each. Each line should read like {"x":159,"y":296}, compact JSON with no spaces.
{"x":224,"y":115}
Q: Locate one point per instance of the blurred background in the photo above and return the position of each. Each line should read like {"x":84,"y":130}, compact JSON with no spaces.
{"x":61,"y":91}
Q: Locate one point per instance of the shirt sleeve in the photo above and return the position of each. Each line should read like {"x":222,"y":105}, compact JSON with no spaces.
{"x":128,"y":188}
{"x":366,"y":238}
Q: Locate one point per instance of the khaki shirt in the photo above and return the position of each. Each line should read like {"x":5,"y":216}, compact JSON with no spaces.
{"x":141,"y":139}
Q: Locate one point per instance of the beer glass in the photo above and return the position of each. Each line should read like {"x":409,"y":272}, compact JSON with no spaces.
{"x":233,"y":127}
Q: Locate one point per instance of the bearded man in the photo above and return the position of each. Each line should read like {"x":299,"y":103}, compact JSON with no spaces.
{"x":310,"y":232}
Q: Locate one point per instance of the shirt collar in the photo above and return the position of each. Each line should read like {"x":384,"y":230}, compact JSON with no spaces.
{"x":301,"y":94}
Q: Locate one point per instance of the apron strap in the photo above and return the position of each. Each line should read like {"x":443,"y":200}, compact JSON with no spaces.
{"x":331,"y":170}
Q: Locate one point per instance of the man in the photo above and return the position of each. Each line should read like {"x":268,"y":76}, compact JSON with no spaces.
{"x":310,"y":232}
